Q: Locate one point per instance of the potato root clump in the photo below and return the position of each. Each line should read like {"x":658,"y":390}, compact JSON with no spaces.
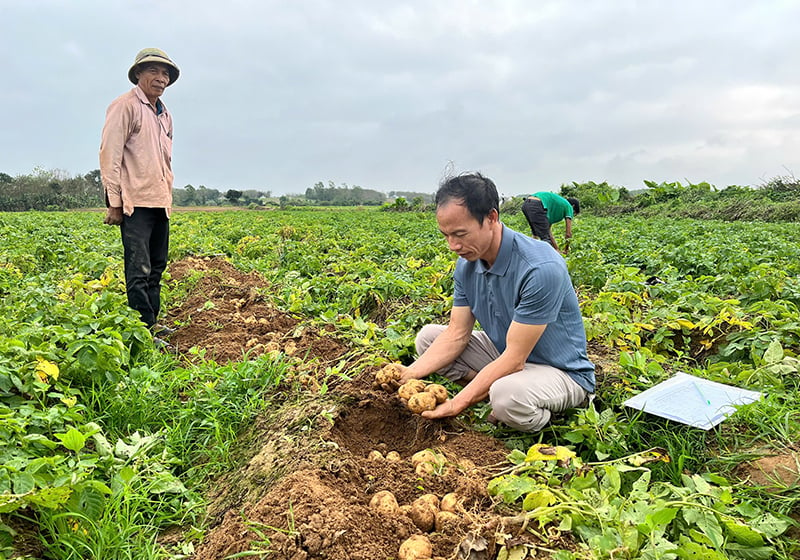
{"x":421,"y":402}
{"x":437,"y":391}
{"x":384,"y":503}
{"x":410,"y":388}
{"x":416,"y":547}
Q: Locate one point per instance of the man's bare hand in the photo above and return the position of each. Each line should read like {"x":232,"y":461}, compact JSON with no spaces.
{"x":113,"y":216}
{"x":445,"y":410}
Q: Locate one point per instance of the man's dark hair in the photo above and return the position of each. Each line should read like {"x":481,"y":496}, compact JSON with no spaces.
{"x":576,"y":206}
{"x":476,"y":192}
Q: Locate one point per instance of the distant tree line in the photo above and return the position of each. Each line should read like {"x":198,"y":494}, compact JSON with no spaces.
{"x":56,"y":190}
{"x":50,"y":190}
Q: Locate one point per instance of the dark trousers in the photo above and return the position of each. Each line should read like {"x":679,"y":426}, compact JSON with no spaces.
{"x":145,"y":239}
{"x":536,"y":214}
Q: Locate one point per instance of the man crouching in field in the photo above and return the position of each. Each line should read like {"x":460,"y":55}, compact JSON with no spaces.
{"x":530,"y":358}
{"x":136,"y":169}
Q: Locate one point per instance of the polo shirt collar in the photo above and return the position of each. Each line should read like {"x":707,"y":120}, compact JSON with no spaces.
{"x":503,"y":260}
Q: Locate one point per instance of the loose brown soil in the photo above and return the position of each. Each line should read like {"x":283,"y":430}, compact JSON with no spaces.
{"x":773,"y":472}
{"x":304,"y":489}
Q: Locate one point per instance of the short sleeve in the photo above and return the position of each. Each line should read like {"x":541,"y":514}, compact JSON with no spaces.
{"x":459,"y":295}
{"x":541,"y":294}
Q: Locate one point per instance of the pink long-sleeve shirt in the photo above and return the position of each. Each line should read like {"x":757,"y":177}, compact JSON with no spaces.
{"x":136,"y":154}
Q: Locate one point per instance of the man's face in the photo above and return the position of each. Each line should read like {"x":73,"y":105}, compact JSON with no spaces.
{"x":153,"y":78}
{"x":465,"y":236}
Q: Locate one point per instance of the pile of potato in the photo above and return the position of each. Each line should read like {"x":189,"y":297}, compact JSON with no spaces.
{"x":418,"y":395}
{"x":428,"y":512}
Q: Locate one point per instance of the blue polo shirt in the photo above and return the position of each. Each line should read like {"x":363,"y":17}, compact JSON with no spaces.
{"x":528,"y":283}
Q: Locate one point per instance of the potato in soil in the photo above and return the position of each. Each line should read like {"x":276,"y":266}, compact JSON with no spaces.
{"x":423,"y":515}
{"x":384,"y":503}
{"x":446,"y":522}
{"x":451,"y":502}
{"x":424,"y":456}
{"x":421,"y":402}
{"x":393,"y":456}
{"x":416,"y":547}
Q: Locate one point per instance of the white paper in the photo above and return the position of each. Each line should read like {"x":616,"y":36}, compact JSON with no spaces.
{"x":692,"y":400}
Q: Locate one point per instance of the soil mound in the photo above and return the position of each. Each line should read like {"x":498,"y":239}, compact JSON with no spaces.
{"x":227,"y":315}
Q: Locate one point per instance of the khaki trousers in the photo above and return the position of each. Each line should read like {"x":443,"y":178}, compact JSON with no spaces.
{"x":524,"y":400}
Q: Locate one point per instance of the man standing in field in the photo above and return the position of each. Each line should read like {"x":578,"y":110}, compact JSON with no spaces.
{"x":136,"y":169}
{"x":543,"y":209}
{"x":530,"y":358}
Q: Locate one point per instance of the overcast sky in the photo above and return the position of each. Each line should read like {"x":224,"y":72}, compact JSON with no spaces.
{"x":277,"y":95}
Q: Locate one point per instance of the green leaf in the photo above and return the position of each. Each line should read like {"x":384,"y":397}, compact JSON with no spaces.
{"x":72,"y":440}
{"x":41,"y":440}
{"x":126,"y":474}
{"x":735,"y":550}
{"x":516,"y":457}
{"x":770,"y":525}
{"x":166,"y":483}
{"x":611,"y":482}
{"x":510,"y":488}
{"x":695,"y":551}
{"x":661,"y":517}
{"x":22,"y":482}
{"x":774,"y":352}
{"x":52,"y":498}
{"x":743,"y":534}
{"x":537,"y":499}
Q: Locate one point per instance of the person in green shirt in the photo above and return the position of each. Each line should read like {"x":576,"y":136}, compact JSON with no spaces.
{"x":543,"y":209}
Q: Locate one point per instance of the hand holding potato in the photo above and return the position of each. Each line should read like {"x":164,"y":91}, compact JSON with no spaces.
{"x":392,"y":376}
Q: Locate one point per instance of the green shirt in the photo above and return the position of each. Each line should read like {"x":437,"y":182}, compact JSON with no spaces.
{"x":557,"y":206}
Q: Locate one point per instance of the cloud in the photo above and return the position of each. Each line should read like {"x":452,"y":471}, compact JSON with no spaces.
{"x":278,"y":95}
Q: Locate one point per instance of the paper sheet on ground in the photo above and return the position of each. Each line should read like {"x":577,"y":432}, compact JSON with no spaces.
{"x":692,"y":400}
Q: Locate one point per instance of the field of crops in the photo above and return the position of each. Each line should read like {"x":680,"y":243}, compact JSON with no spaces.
{"x":254,"y":439}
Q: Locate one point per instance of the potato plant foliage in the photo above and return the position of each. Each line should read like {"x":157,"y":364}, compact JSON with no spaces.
{"x":89,"y":410}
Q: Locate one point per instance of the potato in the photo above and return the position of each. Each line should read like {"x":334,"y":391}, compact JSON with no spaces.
{"x":416,"y":547}
{"x":410,"y":388}
{"x":384,"y":503}
{"x":426,"y":468}
{"x":423,"y":515}
{"x":421,"y":402}
{"x":404,"y":510}
{"x":393,"y":456}
{"x":431,"y":499}
{"x":438,"y":391}
{"x":424,"y":456}
{"x":451,"y":502}
{"x":446,"y":522}
{"x":392,"y":371}
{"x":375,"y":455}
{"x":387,"y":374}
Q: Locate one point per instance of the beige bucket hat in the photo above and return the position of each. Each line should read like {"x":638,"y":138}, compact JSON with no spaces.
{"x":154,"y":55}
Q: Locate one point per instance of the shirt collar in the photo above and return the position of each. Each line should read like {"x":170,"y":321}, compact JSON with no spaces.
{"x":503,"y":260}
{"x":160,"y":107}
